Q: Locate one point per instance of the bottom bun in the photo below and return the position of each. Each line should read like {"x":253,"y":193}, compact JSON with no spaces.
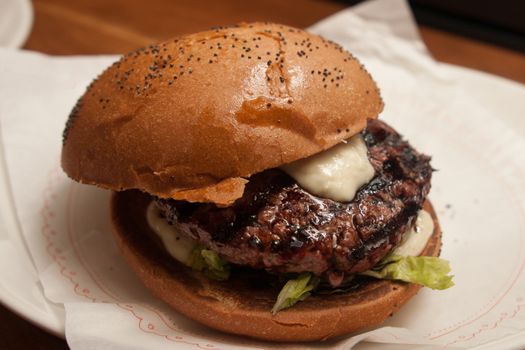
{"x":242,"y":304}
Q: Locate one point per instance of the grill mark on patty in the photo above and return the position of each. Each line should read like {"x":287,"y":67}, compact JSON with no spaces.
{"x":279,"y":226}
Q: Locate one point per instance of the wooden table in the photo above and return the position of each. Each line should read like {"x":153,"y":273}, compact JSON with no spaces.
{"x":64,"y":27}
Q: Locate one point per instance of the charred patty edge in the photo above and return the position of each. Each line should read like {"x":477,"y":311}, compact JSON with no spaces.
{"x":279,"y":226}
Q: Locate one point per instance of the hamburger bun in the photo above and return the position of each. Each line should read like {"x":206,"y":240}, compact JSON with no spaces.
{"x":287,"y":94}
{"x":241,"y":306}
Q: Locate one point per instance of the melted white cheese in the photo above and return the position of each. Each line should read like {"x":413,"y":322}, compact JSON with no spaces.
{"x":336,"y":173}
{"x":177,"y":245}
{"x":415,"y":239}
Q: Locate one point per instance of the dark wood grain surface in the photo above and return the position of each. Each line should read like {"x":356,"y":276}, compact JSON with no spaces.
{"x":65,"y":27}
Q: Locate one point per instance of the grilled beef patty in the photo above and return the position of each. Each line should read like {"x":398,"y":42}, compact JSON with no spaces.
{"x":280,"y":227}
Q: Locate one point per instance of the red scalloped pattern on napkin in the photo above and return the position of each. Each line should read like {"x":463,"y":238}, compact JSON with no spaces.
{"x":495,"y":300}
{"x":56,"y":253}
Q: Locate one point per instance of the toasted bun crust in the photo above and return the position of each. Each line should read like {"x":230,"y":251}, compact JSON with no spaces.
{"x":191,"y":117}
{"x":236,"y":306}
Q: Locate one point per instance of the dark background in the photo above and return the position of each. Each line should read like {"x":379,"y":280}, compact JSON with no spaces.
{"x":499,"y":22}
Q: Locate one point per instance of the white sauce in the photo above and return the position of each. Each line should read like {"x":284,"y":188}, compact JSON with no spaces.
{"x":336,"y":173}
{"x":415,"y":239}
{"x":178,"y":246}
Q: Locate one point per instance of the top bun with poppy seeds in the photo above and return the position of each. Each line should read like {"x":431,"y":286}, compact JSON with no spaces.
{"x":260,"y":94}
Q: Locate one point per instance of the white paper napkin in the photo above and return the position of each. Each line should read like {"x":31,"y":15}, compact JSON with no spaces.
{"x":66,"y":225}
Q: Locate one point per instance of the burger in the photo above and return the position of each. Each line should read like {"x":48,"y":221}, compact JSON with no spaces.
{"x":255,"y":190}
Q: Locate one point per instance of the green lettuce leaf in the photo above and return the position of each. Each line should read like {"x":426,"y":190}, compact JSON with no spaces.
{"x":428,"y":271}
{"x":216,"y":267}
{"x":295,"y":290}
{"x":195,"y":260}
{"x":202,"y":259}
